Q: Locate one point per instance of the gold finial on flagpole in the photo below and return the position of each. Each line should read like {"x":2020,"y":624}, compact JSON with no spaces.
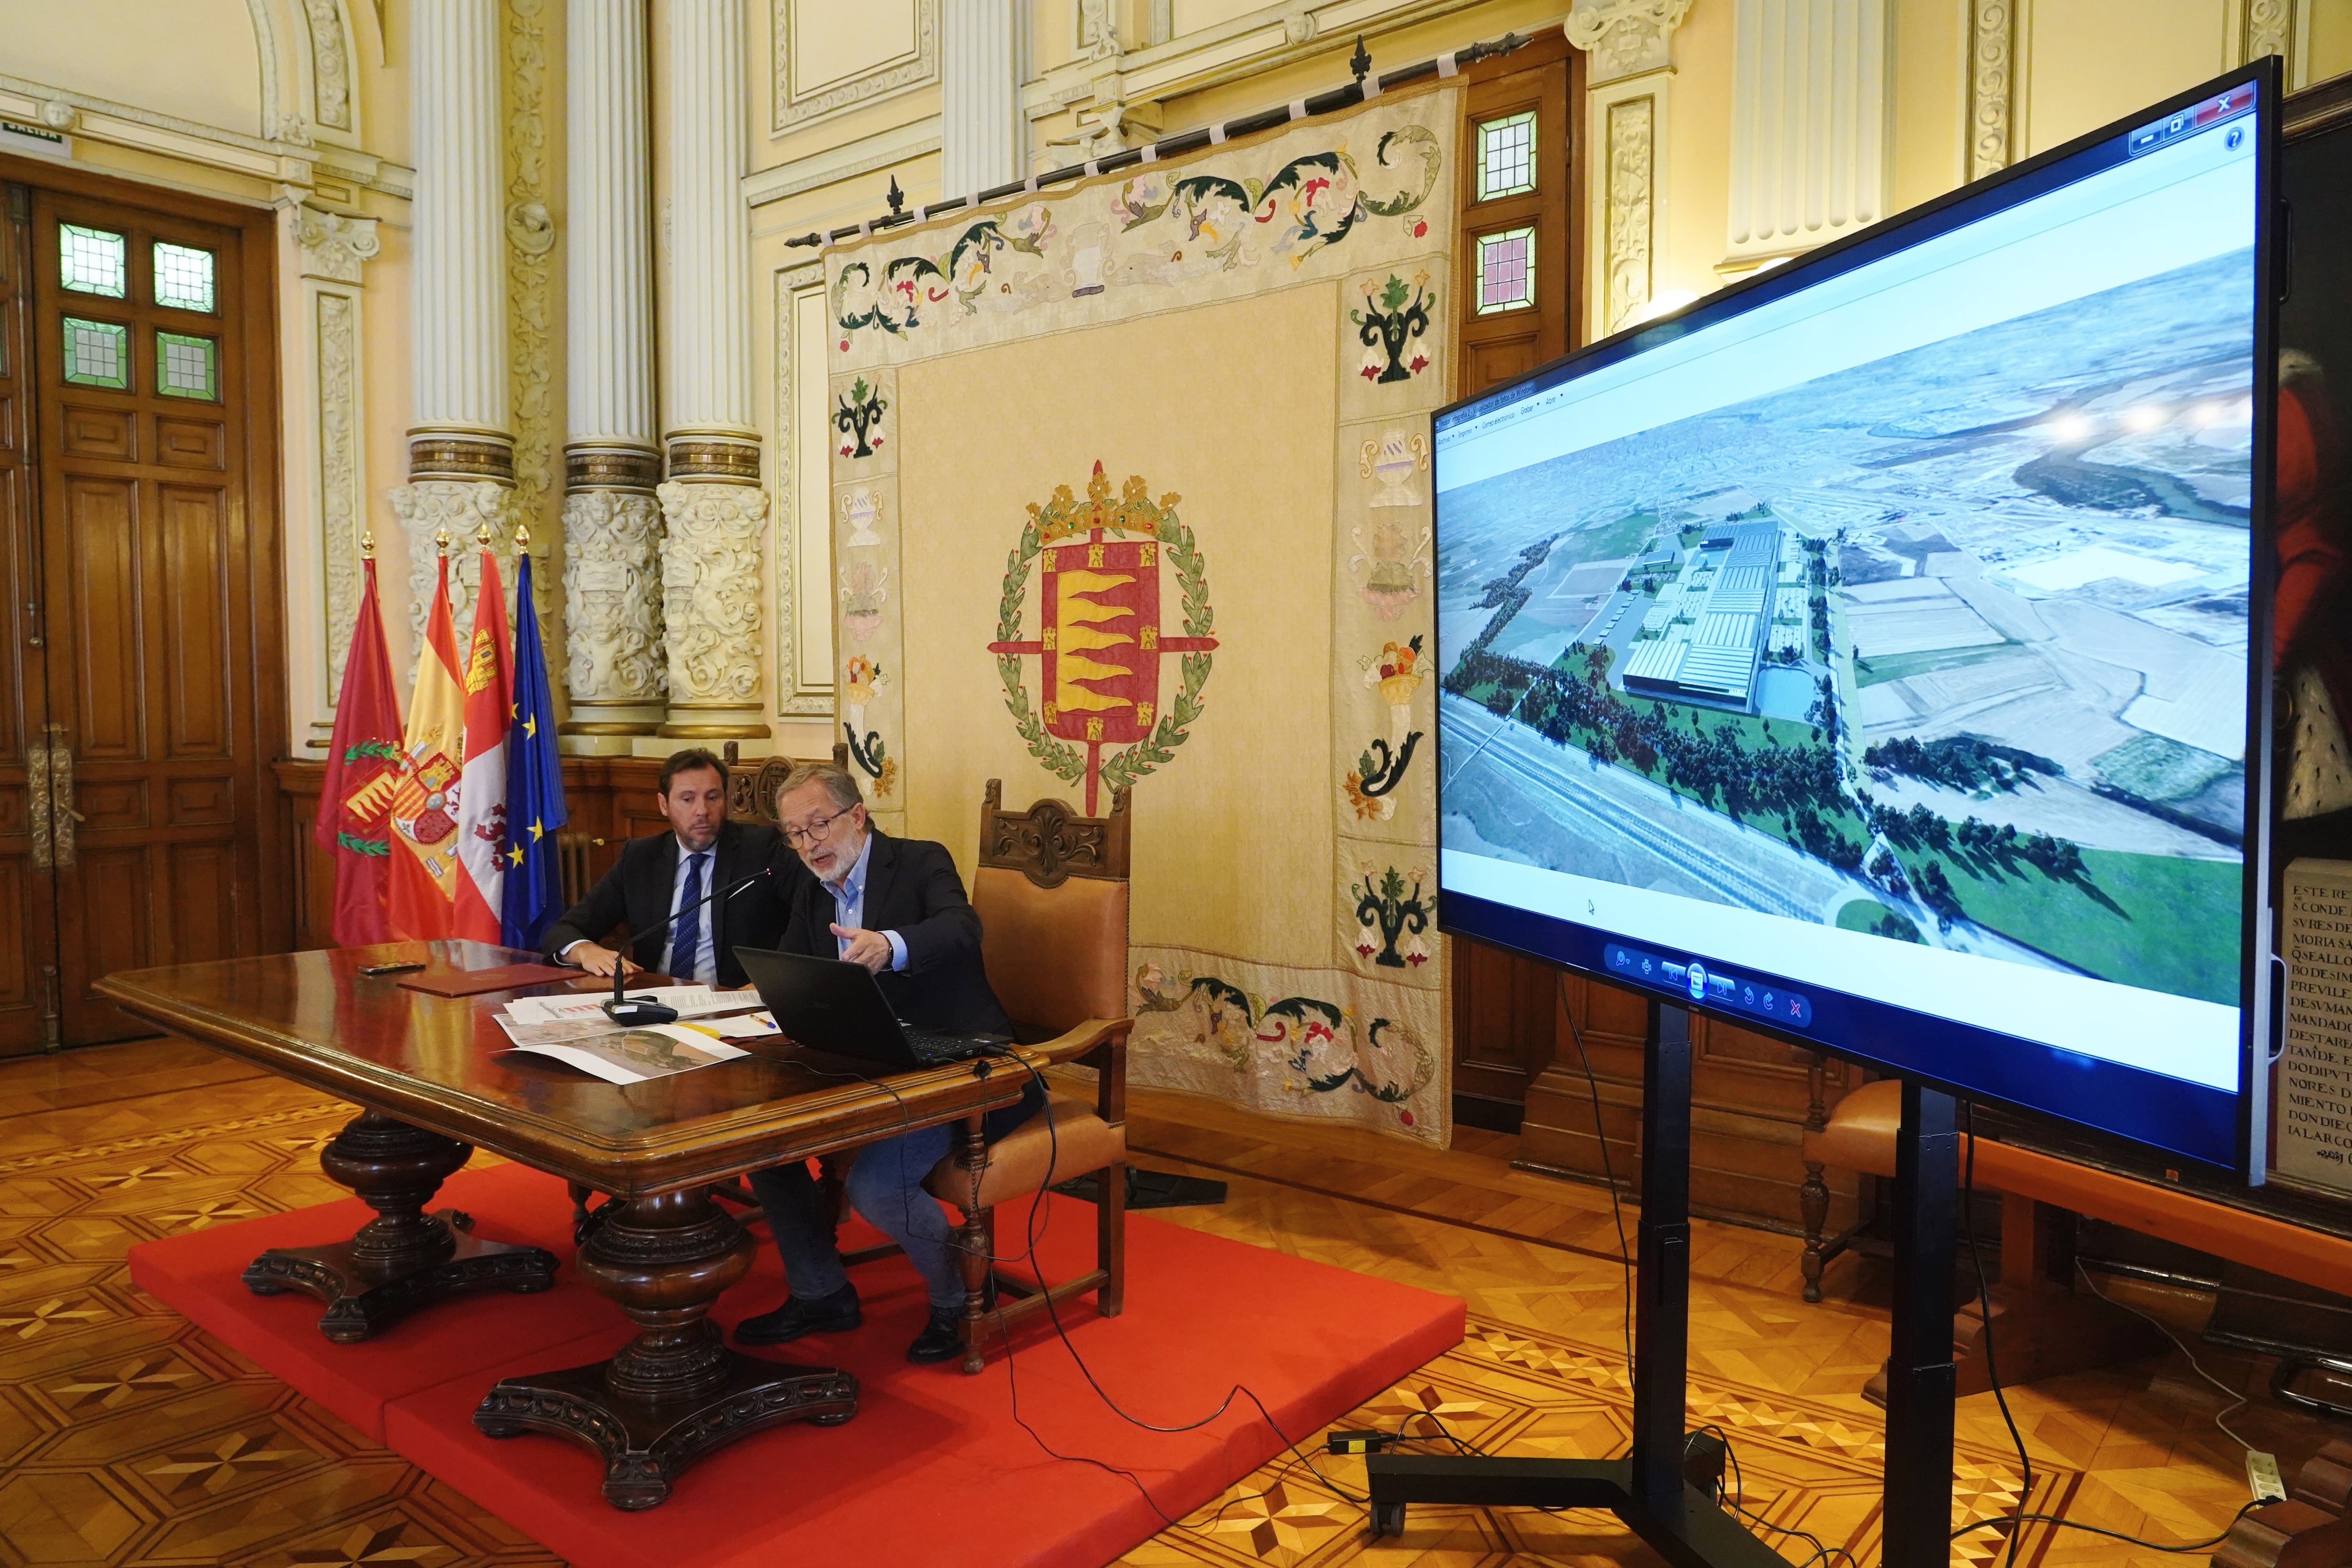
{"x":522,"y":539}
{"x":482,"y":533}
{"x":441,"y":542}
{"x":367,"y":544}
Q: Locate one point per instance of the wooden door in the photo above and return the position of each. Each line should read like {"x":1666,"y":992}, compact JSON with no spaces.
{"x":1520,"y":194}
{"x":156,"y":585}
{"x":27,"y":927}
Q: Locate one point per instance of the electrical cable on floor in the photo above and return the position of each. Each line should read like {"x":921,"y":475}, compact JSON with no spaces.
{"x":1088,"y":1371}
{"x":2019,"y":1519}
{"x":1601,"y":1136}
{"x":1984,"y":1316}
{"x":2243,"y":1510}
{"x":1823,"y":1552}
{"x":2237,"y":1401}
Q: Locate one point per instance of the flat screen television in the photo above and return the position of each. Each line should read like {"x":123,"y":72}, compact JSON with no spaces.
{"x":1873,"y":653}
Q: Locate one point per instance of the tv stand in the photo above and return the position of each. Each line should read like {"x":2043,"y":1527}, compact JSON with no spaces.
{"x":1649,"y":1489}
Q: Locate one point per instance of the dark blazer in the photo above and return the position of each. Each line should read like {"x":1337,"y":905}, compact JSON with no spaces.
{"x":911,"y":888}
{"x":636,"y":892}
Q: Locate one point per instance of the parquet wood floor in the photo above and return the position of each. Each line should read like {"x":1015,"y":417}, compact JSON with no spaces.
{"x":129,"y":1438}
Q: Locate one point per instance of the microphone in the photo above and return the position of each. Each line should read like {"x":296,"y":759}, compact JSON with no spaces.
{"x":633,"y":1010}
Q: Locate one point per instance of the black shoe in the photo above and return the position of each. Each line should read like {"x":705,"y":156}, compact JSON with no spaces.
{"x":941,"y":1339}
{"x":834,"y":1314}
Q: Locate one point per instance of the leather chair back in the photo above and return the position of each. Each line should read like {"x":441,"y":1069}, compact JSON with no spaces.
{"x":1051,"y":891}
{"x":1055,"y":956}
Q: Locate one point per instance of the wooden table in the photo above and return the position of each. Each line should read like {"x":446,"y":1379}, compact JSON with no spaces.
{"x":433,"y":1079}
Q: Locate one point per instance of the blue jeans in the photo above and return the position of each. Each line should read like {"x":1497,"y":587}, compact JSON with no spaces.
{"x":886,"y":1185}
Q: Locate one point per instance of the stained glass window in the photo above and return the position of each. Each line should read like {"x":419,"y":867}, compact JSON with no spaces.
{"x":186,"y":366}
{"x":92,"y":261}
{"x":1507,"y":271}
{"x":184,"y":277}
{"x":97,"y":353}
{"x":1507,"y":156}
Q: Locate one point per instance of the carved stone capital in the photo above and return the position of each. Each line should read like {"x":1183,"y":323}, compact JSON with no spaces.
{"x":1624,"y":37}
{"x":425,"y":507}
{"x":612,"y":597}
{"x":334,"y":247}
{"x":711,"y":581}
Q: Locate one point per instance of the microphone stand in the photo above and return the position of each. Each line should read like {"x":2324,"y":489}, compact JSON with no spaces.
{"x":636,"y":1010}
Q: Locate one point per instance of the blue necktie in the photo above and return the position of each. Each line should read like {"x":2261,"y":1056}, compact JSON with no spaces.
{"x":686,"y":939}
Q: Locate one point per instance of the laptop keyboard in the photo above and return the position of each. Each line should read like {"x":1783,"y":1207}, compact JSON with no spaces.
{"x":933,"y":1045}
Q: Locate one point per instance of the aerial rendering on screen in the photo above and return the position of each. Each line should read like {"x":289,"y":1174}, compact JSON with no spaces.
{"x":1949,"y":648}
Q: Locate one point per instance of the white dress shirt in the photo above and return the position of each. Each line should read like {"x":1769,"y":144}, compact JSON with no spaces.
{"x":706,"y":955}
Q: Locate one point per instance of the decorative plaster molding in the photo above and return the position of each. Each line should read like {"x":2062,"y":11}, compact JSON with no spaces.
{"x":425,"y":507}
{"x":1624,"y":37}
{"x":884,"y":150}
{"x":1097,"y":38}
{"x":710,"y":582}
{"x":334,"y":247}
{"x":530,"y":270}
{"x":1631,"y":155}
{"x":889,"y":81}
{"x":1992,"y":85}
{"x":331,"y":71}
{"x":794,"y":700}
{"x":336,"y":324}
{"x":2270,"y":30}
{"x":612,"y":597}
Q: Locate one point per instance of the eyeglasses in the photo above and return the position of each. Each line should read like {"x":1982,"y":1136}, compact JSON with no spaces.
{"x":810,"y":833}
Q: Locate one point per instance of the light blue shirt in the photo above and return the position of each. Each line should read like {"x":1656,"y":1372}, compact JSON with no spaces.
{"x":706,"y":954}
{"x":849,"y":905}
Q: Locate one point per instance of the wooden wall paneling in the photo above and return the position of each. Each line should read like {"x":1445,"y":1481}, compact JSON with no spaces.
{"x":27,"y":921}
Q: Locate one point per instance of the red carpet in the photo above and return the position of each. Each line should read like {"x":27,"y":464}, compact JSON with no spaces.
{"x":933,"y":1469}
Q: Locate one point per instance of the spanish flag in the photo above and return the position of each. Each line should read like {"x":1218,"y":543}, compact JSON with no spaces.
{"x":480,"y":898}
{"x":425,"y":865}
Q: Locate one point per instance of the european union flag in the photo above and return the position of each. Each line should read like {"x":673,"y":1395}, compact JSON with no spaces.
{"x":534,"y":879}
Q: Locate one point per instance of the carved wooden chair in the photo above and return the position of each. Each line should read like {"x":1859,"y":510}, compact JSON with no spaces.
{"x":1051,"y":889}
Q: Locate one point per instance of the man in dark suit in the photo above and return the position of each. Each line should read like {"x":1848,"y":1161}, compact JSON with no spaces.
{"x":896,"y":906}
{"x":667,"y":873}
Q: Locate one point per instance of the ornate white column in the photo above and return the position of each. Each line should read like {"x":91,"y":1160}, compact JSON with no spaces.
{"x":461,"y":446}
{"x":612,"y":523}
{"x":715,"y":510}
{"x":980,"y":92}
{"x":1808,"y":124}
{"x":1628,"y":75}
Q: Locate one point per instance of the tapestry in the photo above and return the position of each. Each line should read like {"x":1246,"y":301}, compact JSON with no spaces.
{"x":1131,"y":491}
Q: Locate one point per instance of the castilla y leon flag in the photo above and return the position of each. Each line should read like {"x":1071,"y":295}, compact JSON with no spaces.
{"x":424,"y":867}
{"x":480,"y":893}
{"x":364,"y":763}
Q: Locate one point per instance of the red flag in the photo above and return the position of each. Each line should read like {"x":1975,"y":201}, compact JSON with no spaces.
{"x":364,"y":763}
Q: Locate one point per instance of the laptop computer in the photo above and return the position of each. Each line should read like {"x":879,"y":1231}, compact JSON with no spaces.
{"x":839,"y":1008}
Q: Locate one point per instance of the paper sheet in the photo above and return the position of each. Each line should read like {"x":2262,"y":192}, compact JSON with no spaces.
{"x":632,"y":1055}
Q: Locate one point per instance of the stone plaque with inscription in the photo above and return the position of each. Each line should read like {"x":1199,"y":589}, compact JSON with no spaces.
{"x":2314,"y":1089}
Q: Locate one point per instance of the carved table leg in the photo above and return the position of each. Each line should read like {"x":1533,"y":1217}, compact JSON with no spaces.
{"x":404,"y":1258}
{"x":675,"y":1393}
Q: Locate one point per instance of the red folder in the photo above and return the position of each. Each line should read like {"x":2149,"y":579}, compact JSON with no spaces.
{"x":474,"y":981}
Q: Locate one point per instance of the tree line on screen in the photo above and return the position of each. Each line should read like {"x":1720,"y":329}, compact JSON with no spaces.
{"x":1796,"y":789}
